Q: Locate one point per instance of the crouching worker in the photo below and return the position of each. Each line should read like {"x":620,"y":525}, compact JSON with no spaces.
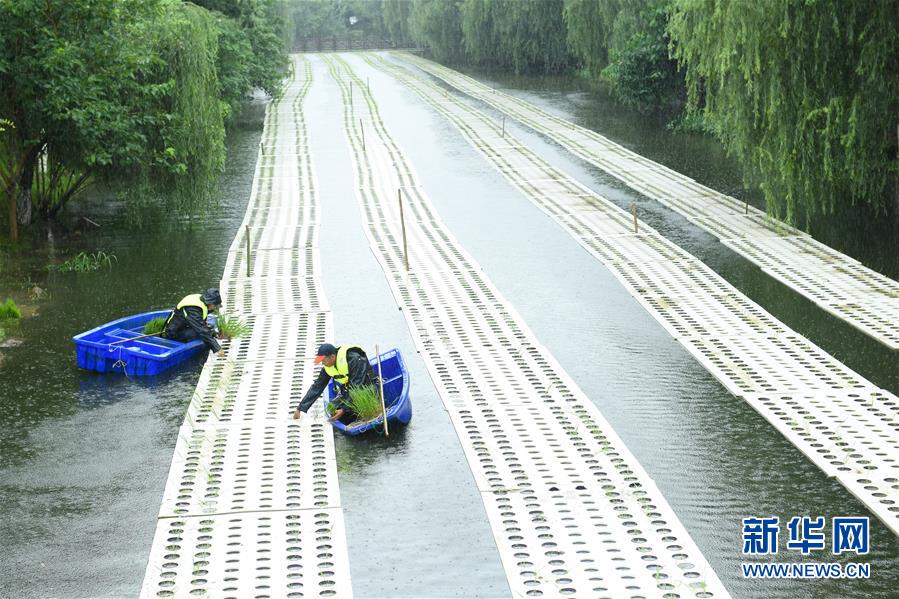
{"x":349,"y":367}
{"x":188,"y":320}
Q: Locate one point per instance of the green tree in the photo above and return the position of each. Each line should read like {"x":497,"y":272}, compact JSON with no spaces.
{"x":264,"y":26}
{"x":73,"y":84}
{"x":437,"y":24}
{"x":192,"y":135}
{"x":805,"y":94}
{"x":396,"y":21}
{"x":640,"y":73}
{"x":531,"y":35}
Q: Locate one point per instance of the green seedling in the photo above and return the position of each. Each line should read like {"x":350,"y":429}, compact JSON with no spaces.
{"x":230,"y":327}
{"x":154,"y":326}
{"x":365,"y":402}
{"x":84,"y":262}
{"x":9,"y":309}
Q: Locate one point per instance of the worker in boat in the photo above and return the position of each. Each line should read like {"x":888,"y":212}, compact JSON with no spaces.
{"x":187,"y":321}
{"x":349,"y":367}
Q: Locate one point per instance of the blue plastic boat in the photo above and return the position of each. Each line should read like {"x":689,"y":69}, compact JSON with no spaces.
{"x":396,"y":396}
{"x":139,"y":357}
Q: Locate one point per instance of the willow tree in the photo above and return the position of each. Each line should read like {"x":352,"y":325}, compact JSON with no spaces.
{"x":396,"y":20}
{"x":804,"y":93}
{"x":436,"y":24}
{"x":189,"y":146}
{"x":478,"y":31}
{"x":596,"y":28}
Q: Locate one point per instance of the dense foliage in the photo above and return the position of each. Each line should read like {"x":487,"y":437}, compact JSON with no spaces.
{"x":805,"y":94}
{"x":438,"y":25}
{"x":640,"y":72}
{"x":516,"y":35}
{"x":130,"y":91}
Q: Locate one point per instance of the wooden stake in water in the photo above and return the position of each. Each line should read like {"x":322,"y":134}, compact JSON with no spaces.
{"x":248,"y":252}
{"x":351,"y":93}
{"x":634,"y":213}
{"x":746,"y":211}
{"x":504,"y":125}
{"x":381,"y":381}
{"x":399,"y":195}
{"x":362,"y":129}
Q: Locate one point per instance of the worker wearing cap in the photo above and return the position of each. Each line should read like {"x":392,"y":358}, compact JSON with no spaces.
{"x":187,"y":322}
{"x":347,"y":365}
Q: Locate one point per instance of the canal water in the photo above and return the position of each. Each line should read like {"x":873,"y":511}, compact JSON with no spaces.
{"x":84,"y":457}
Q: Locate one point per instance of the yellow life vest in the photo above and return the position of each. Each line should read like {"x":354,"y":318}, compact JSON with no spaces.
{"x":195,"y":300}
{"x":341,"y":370}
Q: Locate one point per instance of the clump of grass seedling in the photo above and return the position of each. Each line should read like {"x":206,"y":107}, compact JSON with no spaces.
{"x":9,"y":309}
{"x":154,"y":326}
{"x":365,"y":402}
{"x":84,"y":262}
{"x":231,"y":327}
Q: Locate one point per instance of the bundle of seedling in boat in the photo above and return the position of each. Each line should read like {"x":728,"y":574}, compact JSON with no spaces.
{"x":229,"y":327}
{"x":365,"y":402}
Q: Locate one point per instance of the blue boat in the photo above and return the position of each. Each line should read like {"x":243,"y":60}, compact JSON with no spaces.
{"x":396,"y":396}
{"x":138,"y":357}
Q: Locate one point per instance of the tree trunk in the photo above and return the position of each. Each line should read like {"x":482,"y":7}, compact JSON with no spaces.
{"x":13,"y":220}
{"x":23,"y":197}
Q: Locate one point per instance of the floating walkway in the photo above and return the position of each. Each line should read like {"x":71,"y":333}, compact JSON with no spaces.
{"x":252,"y":507}
{"x":844,"y":424}
{"x":572,"y":511}
{"x":835,"y":282}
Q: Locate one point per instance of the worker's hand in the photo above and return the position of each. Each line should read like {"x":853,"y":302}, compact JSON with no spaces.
{"x":338,"y":413}
{"x":220,"y":353}
{"x":297,"y":414}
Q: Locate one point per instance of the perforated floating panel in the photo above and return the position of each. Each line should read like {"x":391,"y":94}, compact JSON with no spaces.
{"x":230,"y":391}
{"x":281,"y":336}
{"x":744,"y":229}
{"x":248,"y":555}
{"x":225,"y":468}
{"x":746,"y":348}
{"x":251,"y":506}
{"x":571,"y":510}
{"x":281,"y":263}
{"x":851,"y":435}
{"x":274,"y":295}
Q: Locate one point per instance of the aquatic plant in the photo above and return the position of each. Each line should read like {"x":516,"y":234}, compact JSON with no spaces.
{"x":84,"y":262}
{"x":155,"y":326}
{"x":365,"y":402}
{"x":9,"y":309}
{"x":231,"y":327}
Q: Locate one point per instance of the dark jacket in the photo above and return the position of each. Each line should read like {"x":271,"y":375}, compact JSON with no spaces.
{"x":361,"y":374}
{"x":187,"y":324}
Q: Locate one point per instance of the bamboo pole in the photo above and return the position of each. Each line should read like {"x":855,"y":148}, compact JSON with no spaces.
{"x":504,"y":125}
{"x":634,"y":213}
{"x":381,"y":381}
{"x":362,"y":129}
{"x":133,"y":338}
{"x":399,"y":195}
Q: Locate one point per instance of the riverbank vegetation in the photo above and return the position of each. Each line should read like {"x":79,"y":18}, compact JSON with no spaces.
{"x":132,"y":93}
{"x":85,"y":262}
{"x":803,"y":94}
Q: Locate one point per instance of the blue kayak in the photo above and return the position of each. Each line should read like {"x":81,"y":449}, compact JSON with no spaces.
{"x":396,"y":396}
{"x":96,"y":349}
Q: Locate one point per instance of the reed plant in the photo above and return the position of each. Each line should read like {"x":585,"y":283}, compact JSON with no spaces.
{"x":9,"y":310}
{"x":84,"y":262}
{"x":231,"y":327}
{"x":365,"y":402}
{"x":155,"y":326}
